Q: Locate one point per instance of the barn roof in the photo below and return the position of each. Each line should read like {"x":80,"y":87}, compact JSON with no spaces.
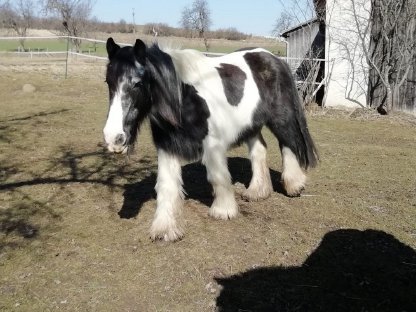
{"x":286,"y":33}
{"x":320,"y":8}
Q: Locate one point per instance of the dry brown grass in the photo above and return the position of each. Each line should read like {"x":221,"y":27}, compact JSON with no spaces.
{"x":64,"y":246}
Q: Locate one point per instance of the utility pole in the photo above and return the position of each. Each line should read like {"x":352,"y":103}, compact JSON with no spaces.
{"x":134,"y":23}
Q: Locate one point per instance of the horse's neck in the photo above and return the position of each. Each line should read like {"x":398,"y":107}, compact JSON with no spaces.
{"x":190,"y":65}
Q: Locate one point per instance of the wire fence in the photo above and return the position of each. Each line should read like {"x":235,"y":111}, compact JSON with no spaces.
{"x":308,"y":73}
{"x":92,"y":51}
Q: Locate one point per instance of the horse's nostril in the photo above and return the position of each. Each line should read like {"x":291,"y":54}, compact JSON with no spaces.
{"x":120,"y":139}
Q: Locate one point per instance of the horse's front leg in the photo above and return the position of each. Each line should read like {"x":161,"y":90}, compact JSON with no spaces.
{"x":167,"y":223}
{"x":224,"y":205}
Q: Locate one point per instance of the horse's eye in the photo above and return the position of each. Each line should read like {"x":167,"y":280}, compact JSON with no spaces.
{"x":138,"y":84}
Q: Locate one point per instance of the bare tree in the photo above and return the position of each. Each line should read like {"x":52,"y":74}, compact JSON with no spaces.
{"x":386,"y":35}
{"x":392,"y":51}
{"x":197,"y":17}
{"x":5,"y":12}
{"x":378,"y":43}
{"x":19,"y":17}
{"x":296,"y":12}
{"x":283,"y":22}
{"x":123,"y":27}
{"x":75,"y":15}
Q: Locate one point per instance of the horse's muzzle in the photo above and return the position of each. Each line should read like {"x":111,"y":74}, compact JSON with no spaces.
{"x":118,"y":144}
{"x":118,"y":149}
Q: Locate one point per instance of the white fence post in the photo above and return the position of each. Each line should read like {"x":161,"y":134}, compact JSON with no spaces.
{"x":67,"y":54}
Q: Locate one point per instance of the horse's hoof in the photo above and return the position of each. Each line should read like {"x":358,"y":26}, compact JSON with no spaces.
{"x":166,"y":232}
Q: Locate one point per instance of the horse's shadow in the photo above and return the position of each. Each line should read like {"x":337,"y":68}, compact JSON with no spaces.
{"x":351,"y":270}
{"x":196,"y":185}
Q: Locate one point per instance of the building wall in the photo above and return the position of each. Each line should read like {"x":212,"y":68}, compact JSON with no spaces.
{"x":347,"y":68}
{"x":300,"y":41}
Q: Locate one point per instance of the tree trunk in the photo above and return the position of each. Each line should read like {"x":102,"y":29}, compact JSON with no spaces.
{"x":386,"y":107}
{"x":392,"y":54}
{"x":206,"y":43}
{"x":22,"y":44}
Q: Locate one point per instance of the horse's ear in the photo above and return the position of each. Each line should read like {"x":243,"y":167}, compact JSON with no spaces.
{"x":112,"y":48}
{"x":140,"y":51}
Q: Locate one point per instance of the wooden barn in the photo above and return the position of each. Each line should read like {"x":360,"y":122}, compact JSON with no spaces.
{"x":306,"y":54}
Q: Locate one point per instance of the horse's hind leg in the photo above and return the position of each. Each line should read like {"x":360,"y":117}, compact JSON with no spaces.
{"x":215,"y":160}
{"x":293,"y":177}
{"x":260,"y":185}
{"x":166,"y":223}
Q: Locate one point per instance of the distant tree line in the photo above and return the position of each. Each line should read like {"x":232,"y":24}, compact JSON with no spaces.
{"x":73,"y":17}
{"x":164,"y":30}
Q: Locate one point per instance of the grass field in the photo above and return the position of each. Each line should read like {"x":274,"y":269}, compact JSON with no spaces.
{"x":74,"y":219}
{"x":51,"y":45}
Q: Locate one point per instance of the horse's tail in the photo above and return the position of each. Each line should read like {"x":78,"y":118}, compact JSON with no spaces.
{"x":288,"y":122}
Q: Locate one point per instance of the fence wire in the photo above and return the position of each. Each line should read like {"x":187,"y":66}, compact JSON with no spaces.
{"x":94,"y":49}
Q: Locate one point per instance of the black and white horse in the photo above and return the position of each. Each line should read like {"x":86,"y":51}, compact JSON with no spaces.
{"x":198,"y":108}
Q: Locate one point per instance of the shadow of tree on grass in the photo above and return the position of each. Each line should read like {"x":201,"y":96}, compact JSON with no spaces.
{"x":351,"y":270}
{"x":98,"y":168}
{"x":18,"y":126}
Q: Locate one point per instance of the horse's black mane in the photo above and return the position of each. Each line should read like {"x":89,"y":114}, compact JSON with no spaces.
{"x":165,"y":86}
{"x":178,"y":115}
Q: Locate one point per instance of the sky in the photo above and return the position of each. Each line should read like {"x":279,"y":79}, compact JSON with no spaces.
{"x":255,"y":17}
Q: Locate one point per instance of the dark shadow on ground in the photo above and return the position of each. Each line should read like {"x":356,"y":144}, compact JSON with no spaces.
{"x":136,"y":194}
{"x":40,"y":114}
{"x":22,"y":228}
{"x":69,"y":169}
{"x":196,"y":185}
{"x":240,"y":169}
{"x":351,"y":270}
